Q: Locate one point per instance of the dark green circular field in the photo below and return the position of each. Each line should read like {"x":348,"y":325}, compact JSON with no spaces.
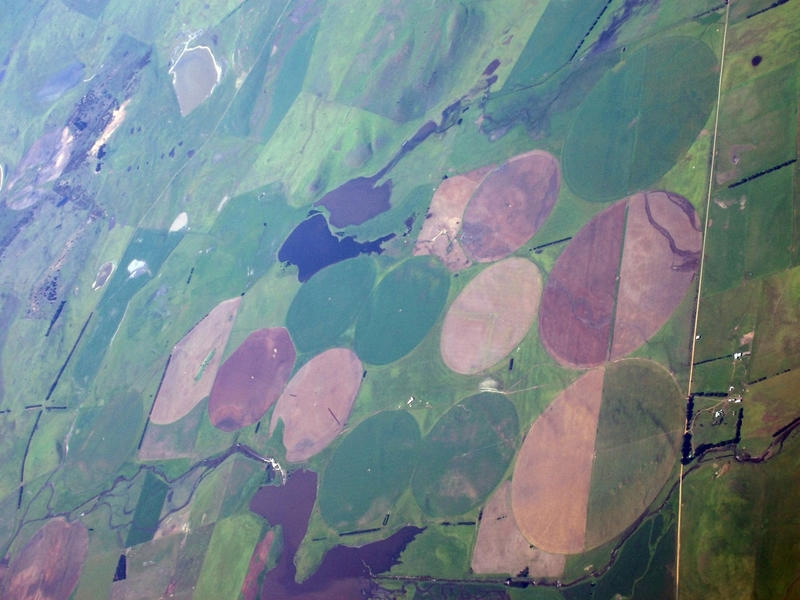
{"x":465,"y":455}
{"x":401,"y":310}
{"x":640,"y":118}
{"x":639,"y":432}
{"x":369,"y":470}
{"x":327,"y":304}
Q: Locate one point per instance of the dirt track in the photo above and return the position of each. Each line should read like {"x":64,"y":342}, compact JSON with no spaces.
{"x":251,"y":380}
{"x":491,"y":315}
{"x":550,"y":486}
{"x":501,"y":547}
{"x":316,"y":403}
{"x":181,"y":388}
{"x":510,"y":205}
{"x":50,"y":564}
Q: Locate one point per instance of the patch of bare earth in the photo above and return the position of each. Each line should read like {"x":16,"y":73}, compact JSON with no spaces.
{"x":660,"y":258}
{"x":316,"y":403}
{"x":103,"y":273}
{"x":550,"y":485}
{"x":510,"y":205}
{"x":491,"y":315}
{"x":577,"y":308}
{"x":257,"y":564}
{"x":252,"y":379}
{"x":443,"y":221}
{"x":50,"y":564}
{"x":193,"y":364}
{"x":501,"y":547}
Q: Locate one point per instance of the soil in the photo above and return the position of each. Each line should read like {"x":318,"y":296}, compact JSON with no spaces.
{"x":252,"y":378}
{"x":316,"y":403}
{"x":181,"y":389}
{"x":501,"y":547}
{"x":510,"y":206}
{"x":257,"y":564}
{"x":577,"y":307}
{"x":443,"y":222}
{"x":491,"y":316}
{"x":550,"y":485}
{"x":660,"y":258}
{"x":50,"y":564}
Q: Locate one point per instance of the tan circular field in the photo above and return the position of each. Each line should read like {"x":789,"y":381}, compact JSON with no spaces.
{"x":501,"y":547}
{"x":316,"y":403}
{"x":599,"y":455}
{"x":252,"y":379}
{"x":552,"y":475}
{"x":620,"y":279}
{"x":193,"y":364}
{"x":491,"y":315}
{"x":510,"y":205}
{"x":50,"y":564}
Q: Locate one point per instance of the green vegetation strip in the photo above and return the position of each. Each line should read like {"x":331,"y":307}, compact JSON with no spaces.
{"x":328,"y":303}
{"x":638,"y":437}
{"x":401,"y":310}
{"x":640,"y":118}
{"x":465,"y":455}
{"x":148,"y":510}
{"x":369,"y":470}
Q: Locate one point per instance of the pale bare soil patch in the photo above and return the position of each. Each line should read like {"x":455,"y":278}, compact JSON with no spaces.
{"x":550,"y":486}
{"x":317,"y":401}
{"x":491,"y":315}
{"x":194,"y":363}
{"x":443,"y":222}
{"x":501,"y":547}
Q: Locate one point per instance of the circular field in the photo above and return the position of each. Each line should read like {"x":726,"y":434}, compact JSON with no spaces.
{"x":251,"y":380}
{"x":491,"y":315}
{"x":598,"y":456}
{"x":316,"y":403}
{"x":327,"y":304}
{"x":510,"y":205}
{"x":401,"y":310}
{"x":640,"y":118}
{"x":50,"y":564}
{"x":193,"y":364}
{"x":465,"y":455}
{"x":620,"y":279}
{"x":369,"y":470}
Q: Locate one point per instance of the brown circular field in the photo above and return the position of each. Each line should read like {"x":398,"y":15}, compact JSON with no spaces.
{"x":252,"y":378}
{"x":316,"y":403}
{"x":50,"y":564}
{"x":552,"y":475}
{"x":599,"y":455}
{"x":491,"y":315}
{"x":193,"y":364}
{"x":501,"y":547}
{"x":510,"y":205}
{"x":443,"y":221}
{"x":620,"y":279}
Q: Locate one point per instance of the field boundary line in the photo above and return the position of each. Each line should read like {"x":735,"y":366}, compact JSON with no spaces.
{"x":700,"y":281}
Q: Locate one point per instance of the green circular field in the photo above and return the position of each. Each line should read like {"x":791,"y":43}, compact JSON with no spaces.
{"x":327,"y":304}
{"x":401,"y":310}
{"x":639,"y":119}
{"x":369,"y":470}
{"x":638,"y":439}
{"x":465,"y":455}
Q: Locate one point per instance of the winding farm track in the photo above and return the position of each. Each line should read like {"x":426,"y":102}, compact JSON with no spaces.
{"x":700,"y":280}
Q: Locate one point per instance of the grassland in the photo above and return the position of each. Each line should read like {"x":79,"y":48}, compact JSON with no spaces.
{"x":228,"y":556}
{"x":368,"y":470}
{"x":465,"y":455}
{"x":401,"y":310}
